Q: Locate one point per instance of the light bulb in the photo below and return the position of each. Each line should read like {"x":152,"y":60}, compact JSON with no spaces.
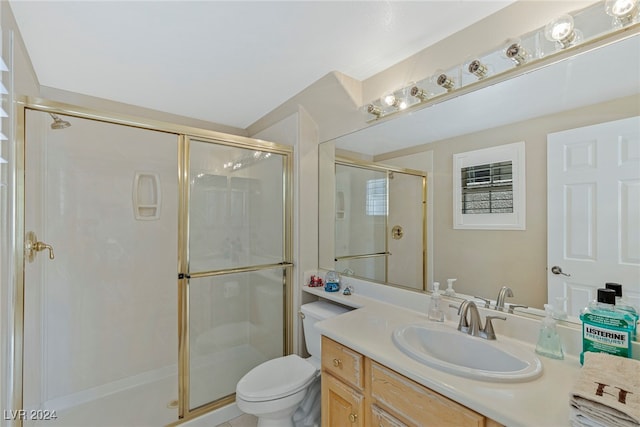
{"x":620,"y":8}
{"x":478,"y":69}
{"x":623,"y":11}
{"x":561,"y":30}
{"x":516,"y":53}
{"x":374,"y":109}
{"x":445,"y":81}
{"x":389,"y":99}
{"x":421,"y":94}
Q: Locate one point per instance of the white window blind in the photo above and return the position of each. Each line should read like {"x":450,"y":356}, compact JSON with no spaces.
{"x":487,"y":188}
{"x":376,"y":196}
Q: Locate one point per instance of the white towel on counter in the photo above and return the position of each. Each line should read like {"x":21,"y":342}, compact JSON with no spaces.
{"x":607,"y":392}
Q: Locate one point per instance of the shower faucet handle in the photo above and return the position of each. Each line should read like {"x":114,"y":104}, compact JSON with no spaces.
{"x":32,"y":245}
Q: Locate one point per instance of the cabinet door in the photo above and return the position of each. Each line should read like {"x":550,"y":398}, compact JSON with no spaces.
{"x":342,"y":406}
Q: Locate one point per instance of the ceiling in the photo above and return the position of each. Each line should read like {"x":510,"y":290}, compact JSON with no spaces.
{"x":227,"y":62}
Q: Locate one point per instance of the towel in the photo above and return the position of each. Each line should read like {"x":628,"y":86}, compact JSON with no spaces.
{"x":607,"y":392}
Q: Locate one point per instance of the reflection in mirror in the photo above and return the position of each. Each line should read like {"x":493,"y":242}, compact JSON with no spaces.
{"x":380,"y":223}
{"x":597,"y":85}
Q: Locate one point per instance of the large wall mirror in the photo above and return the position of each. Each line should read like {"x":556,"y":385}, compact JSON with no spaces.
{"x":599,"y":85}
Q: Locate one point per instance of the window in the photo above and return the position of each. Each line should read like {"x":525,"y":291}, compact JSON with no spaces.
{"x":376,"y":196}
{"x":489,"y":188}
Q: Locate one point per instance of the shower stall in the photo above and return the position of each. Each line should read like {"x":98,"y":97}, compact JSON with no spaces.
{"x":157,"y":267}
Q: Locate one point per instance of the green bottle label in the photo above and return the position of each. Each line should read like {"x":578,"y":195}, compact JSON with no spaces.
{"x":602,"y":339}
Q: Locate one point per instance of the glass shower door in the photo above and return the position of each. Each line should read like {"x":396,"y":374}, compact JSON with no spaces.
{"x":361,"y":221}
{"x":235,"y":285}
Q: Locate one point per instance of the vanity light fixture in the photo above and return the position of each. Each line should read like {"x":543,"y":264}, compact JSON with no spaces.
{"x":478,"y":69}
{"x":421,"y":94}
{"x":446,"y":82}
{"x":624,"y":12}
{"x":521,"y":50}
{"x":562,"y":31}
{"x":516,"y":53}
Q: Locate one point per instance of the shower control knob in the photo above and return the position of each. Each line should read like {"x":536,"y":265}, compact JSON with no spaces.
{"x":32,"y":245}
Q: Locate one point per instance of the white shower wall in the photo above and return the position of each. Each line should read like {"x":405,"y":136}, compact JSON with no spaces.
{"x":102,"y":316}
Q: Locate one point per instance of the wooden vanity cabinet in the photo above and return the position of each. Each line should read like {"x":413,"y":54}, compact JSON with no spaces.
{"x":357,"y":391}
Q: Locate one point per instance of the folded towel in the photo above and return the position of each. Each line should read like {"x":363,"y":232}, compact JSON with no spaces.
{"x":607,"y":392}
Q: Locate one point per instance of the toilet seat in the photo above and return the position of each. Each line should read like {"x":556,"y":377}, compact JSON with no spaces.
{"x":275,"y":379}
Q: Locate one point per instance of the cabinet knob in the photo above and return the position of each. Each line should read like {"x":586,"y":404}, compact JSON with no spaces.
{"x":337,"y":363}
{"x":353,"y":417}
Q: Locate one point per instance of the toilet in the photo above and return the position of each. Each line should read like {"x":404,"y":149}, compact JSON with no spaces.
{"x":285,"y":392}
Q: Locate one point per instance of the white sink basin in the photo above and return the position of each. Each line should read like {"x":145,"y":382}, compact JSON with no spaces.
{"x":443,"y":347}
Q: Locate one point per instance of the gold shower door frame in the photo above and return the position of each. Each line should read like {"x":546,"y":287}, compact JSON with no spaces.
{"x":184,"y":134}
{"x":380,"y":167}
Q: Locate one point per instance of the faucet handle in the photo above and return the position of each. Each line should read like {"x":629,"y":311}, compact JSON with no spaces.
{"x":487,"y":302}
{"x":512,"y":306}
{"x":488,"y":331}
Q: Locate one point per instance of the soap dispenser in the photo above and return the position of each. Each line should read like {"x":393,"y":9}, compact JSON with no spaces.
{"x":449,"y":291}
{"x":435,"y":311}
{"x":549,"y":344}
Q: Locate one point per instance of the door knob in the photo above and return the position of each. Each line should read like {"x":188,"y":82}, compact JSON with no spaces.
{"x":32,"y":245}
{"x":557,"y":270}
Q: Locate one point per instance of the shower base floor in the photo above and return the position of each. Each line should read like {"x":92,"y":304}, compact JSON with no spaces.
{"x":148,"y":404}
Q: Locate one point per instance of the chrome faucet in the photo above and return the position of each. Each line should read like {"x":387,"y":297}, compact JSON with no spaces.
{"x":504,"y":292}
{"x":473,"y":324}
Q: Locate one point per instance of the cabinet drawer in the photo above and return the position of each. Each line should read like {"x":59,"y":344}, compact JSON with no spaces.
{"x":342,"y":362}
{"x":417,"y":405}
{"x":342,"y":405}
{"x":381,"y":418}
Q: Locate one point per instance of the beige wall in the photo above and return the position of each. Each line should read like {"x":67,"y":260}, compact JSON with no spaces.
{"x":485,"y":260}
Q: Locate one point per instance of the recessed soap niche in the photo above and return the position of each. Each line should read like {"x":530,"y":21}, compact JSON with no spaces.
{"x":147,"y":196}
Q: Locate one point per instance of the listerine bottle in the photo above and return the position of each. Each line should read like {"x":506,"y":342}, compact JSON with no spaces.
{"x":622,"y":304}
{"x":605,"y":329}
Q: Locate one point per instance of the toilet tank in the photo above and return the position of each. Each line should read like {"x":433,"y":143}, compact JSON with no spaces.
{"x":315,"y":312}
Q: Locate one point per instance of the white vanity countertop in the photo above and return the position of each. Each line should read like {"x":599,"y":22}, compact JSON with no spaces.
{"x":541,"y":402}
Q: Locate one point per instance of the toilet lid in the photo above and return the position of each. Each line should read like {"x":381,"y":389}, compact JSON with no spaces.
{"x":276,"y":378}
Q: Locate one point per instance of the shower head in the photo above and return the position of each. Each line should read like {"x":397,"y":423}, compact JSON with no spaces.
{"x":58,"y":123}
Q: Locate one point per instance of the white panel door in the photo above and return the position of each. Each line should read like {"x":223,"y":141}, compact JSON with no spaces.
{"x":593,"y":180}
